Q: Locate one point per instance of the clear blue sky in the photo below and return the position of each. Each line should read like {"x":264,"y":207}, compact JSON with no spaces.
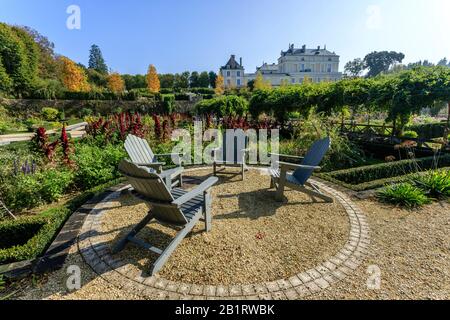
{"x":201,"y":34}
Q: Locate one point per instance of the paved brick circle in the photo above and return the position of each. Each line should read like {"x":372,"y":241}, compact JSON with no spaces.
{"x":127,"y":277}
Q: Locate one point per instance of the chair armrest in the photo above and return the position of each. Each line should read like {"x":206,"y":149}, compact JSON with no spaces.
{"x":286,"y":156}
{"x":200,"y":189}
{"x":168,"y":154}
{"x":292,"y":166}
{"x":150,"y":164}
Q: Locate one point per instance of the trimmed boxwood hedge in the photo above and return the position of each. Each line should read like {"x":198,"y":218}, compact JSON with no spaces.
{"x":33,"y":235}
{"x":374,"y":176}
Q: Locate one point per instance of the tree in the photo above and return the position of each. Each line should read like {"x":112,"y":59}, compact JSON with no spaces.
{"x":167,"y":80}
{"x":379,"y":62}
{"x":219,"y":85}
{"x":96,"y":60}
{"x":443,"y":63}
{"x":137,"y":81}
{"x":19,"y":55}
{"x":193,"y":80}
{"x":355,"y":67}
{"x":5,"y":81}
{"x":212,"y":79}
{"x":203,"y":80}
{"x":260,"y":83}
{"x":153,"y":83}
{"x":181,"y":81}
{"x":96,"y":78}
{"x":116,"y":83}
{"x":73,"y":77}
{"x":47,"y":66}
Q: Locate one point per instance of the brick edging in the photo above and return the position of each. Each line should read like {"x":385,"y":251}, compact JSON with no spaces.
{"x":303,"y":284}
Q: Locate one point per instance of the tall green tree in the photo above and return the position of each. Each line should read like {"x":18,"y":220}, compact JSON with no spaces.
{"x":379,"y":62}
{"x":212,"y":79}
{"x":137,"y":81}
{"x":181,"y":81}
{"x":355,"y":67}
{"x":193,"y":80}
{"x":203,"y":80}
{"x":167,"y":80}
{"x":19,"y":55}
{"x":96,"y":60}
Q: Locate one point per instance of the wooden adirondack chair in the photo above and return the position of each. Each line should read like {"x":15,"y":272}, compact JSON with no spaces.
{"x":141,"y":154}
{"x":298,"y":179}
{"x":175,"y":208}
{"x":231,"y":153}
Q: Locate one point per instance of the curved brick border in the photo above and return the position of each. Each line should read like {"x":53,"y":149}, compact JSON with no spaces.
{"x":127,"y":277}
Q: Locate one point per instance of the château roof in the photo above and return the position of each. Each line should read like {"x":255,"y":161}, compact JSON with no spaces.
{"x":232,"y":63}
{"x":303,"y":51}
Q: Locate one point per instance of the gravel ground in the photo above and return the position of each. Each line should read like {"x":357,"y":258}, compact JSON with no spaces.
{"x":410,"y":248}
{"x":253,"y":238}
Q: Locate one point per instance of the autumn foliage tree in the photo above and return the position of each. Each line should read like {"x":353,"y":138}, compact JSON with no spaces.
{"x":116,"y":83}
{"x":73,"y":77}
{"x":260,"y":83}
{"x":219,"y":88}
{"x":153,"y":83}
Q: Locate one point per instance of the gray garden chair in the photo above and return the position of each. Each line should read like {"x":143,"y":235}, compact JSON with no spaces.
{"x":298,"y":179}
{"x":232,"y":152}
{"x":175,"y":208}
{"x":141,"y":154}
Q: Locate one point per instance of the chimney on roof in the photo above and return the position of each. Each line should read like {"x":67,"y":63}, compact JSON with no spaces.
{"x":304,"y":48}
{"x":233,"y":56}
{"x":325,"y":47}
{"x":318,"y":48}
{"x":240,"y":61}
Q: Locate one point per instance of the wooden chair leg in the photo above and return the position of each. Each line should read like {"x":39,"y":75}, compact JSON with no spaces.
{"x":214,"y":169}
{"x":207,"y":211}
{"x":181,"y":180}
{"x":121,"y":244}
{"x":159,"y":263}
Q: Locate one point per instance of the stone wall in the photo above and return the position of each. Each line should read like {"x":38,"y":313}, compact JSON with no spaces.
{"x":28,"y":107}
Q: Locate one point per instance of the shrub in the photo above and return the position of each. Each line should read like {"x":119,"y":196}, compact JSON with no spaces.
{"x":54,"y":184}
{"x":86,"y":112}
{"x":97,"y":165}
{"x":410,"y":134}
{"x":428,"y":130}
{"x":223,"y":106}
{"x":49,"y":114}
{"x":168,"y":101}
{"x":435,"y":184}
{"x":359,"y":178}
{"x":404,"y":194}
{"x":21,"y":191}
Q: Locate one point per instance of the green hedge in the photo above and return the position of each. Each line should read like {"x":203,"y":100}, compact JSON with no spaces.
{"x":428,"y":130}
{"x":374,"y":176}
{"x":33,"y":235}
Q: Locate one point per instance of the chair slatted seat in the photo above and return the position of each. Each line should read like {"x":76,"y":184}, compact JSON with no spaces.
{"x":176,"y":208}
{"x":295,"y":176}
{"x":141,"y":154}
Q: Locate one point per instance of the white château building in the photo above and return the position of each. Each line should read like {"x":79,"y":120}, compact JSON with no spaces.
{"x":294,"y":66}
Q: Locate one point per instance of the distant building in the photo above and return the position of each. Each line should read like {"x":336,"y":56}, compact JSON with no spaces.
{"x":294,"y":66}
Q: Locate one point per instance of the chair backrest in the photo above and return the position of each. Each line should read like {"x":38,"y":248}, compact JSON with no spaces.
{"x":313,"y":158}
{"x":232,"y":143}
{"x":139,"y":150}
{"x":151,"y":187}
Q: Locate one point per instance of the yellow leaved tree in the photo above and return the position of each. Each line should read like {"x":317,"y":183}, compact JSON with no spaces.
{"x":73,"y":77}
{"x":116,"y":83}
{"x":260,"y":83}
{"x":219,"y":89}
{"x":153,"y":83}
